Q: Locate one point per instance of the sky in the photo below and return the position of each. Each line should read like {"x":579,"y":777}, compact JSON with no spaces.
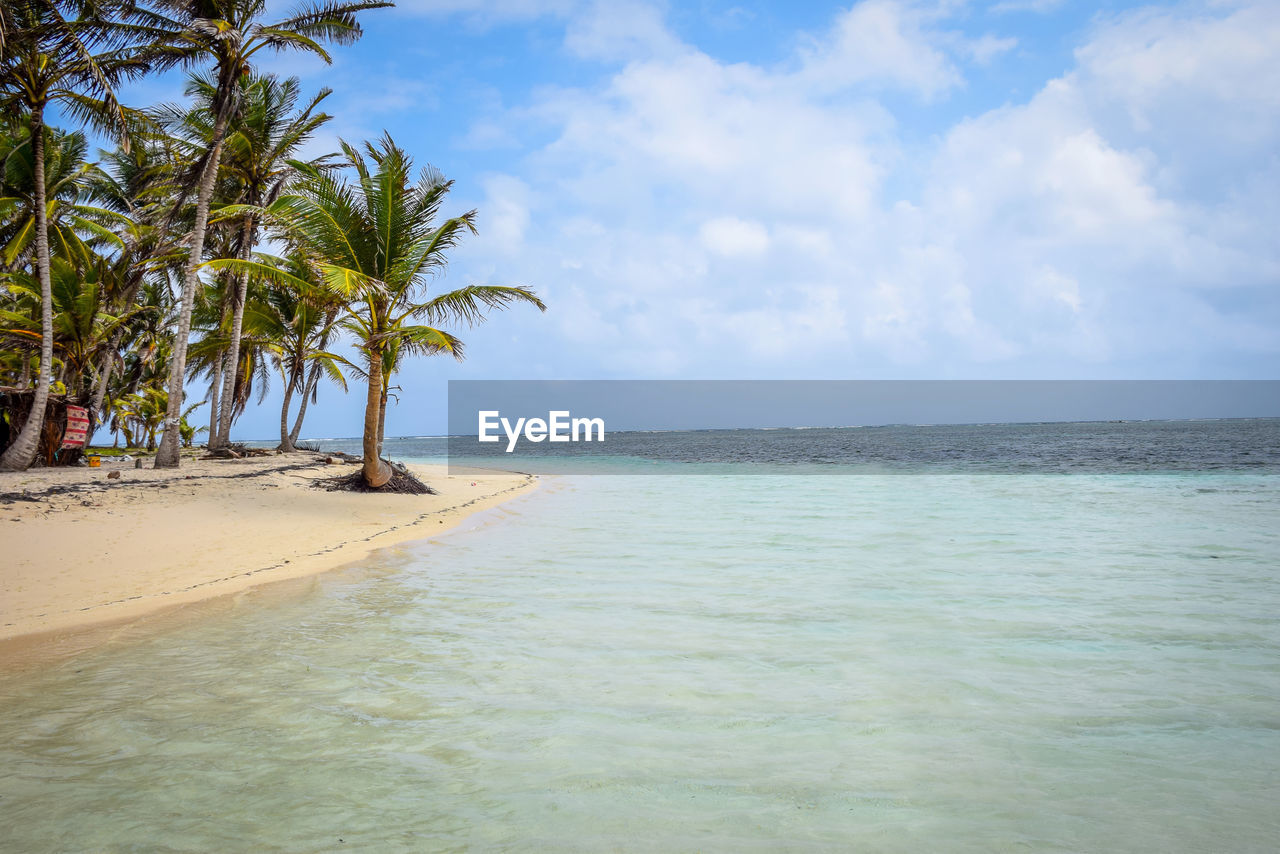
{"x":1019,"y":189}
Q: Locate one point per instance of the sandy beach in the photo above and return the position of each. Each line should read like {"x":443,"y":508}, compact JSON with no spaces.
{"x":82,"y":550}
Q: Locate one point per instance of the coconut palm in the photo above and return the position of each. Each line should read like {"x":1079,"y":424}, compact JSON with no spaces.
{"x":144,"y":362}
{"x":188,"y":432}
{"x":138,"y":185}
{"x":75,"y":229}
{"x":207,"y":355}
{"x":76,"y":62}
{"x":229,"y":34}
{"x":267,"y":132}
{"x":298,"y":323}
{"x":83,"y":330}
{"x":139,"y":416}
{"x":378,"y":241}
{"x":79,"y":234}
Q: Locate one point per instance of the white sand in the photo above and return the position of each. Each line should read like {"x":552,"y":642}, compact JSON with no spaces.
{"x":114,"y":550}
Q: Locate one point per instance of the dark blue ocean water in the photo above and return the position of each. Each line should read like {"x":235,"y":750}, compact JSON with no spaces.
{"x":1247,"y":445}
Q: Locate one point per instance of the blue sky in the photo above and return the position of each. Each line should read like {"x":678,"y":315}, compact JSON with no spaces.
{"x":884,"y":190}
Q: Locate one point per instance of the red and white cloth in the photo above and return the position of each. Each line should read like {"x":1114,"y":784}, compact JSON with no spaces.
{"x":77,"y":427}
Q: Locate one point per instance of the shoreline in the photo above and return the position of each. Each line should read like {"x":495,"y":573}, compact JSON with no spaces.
{"x":85,"y":553}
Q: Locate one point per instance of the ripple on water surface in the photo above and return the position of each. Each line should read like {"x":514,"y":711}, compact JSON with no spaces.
{"x":867,"y":663}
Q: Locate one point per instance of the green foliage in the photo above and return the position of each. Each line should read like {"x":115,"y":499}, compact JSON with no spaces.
{"x":378,"y":241}
{"x":363,"y":232}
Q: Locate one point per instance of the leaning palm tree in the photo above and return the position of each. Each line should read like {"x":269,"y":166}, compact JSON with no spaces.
{"x":296,"y":324}
{"x":76,"y":62}
{"x":77,"y":231}
{"x":377,"y":240}
{"x":266,"y":134}
{"x":207,"y":355}
{"x":136,"y":184}
{"x":229,"y":34}
{"x":323,"y":328}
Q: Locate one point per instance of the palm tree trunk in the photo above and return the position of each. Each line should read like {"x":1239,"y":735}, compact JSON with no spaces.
{"x":23,"y":450}
{"x":382,"y":419}
{"x":100,"y":392}
{"x":308,"y":391}
{"x":88,"y":380}
{"x":376,"y":472}
{"x":215,"y":386}
{"x":223,"y":433}
{"x":215,"y":381}
{"x":167,"y":456}
{"x":285,"y":444}
{"x":25,"y":380}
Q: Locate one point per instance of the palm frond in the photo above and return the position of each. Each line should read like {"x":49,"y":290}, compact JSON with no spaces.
{"x":467,"y":305}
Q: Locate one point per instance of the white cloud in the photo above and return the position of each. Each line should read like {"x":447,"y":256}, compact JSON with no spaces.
{"x":1124,"y":192}
{"x":619,"y":30}
{"x":727,"y":130}
{"x":788,"y":331}
{"x":733,"y":237}
{"x":706,"y":218}
{"x":505,"y":211}
{"x":879,"y":42}
{"x":1212,"y":78}
{"x":988,"y":46}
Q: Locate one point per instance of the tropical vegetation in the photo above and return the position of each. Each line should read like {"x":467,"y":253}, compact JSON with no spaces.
{"x":131,"y":276}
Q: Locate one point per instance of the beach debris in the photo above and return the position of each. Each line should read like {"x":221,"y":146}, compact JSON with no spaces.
{"x":236,"y":452}
{"x":113,"y":475}
{"x":402,"y":482}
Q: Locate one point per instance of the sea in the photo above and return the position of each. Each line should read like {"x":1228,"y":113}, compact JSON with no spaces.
{"x":1047,"y":637}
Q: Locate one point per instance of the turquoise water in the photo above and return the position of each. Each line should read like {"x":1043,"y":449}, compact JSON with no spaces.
{"x":876,"y":663}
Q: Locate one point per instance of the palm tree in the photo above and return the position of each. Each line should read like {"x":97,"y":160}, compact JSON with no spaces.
{"x":74,"y":228}
{"x":138,"y":185}
{"x":207,"y":355}
{"x":229,"y":33}
{"x":297,"y":323}
{"x":83,"y":330}
{"x":49,"y":58}
{"x":144,"y":363}
{"x":259,"y":145}
{"x":377,"y":241}
{"x":139,"y":416}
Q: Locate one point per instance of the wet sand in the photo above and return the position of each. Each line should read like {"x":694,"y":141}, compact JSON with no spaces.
{"x":80,"y":551}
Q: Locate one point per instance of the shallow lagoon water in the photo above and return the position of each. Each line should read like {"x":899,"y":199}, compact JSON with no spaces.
{"x":878,"y":663}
